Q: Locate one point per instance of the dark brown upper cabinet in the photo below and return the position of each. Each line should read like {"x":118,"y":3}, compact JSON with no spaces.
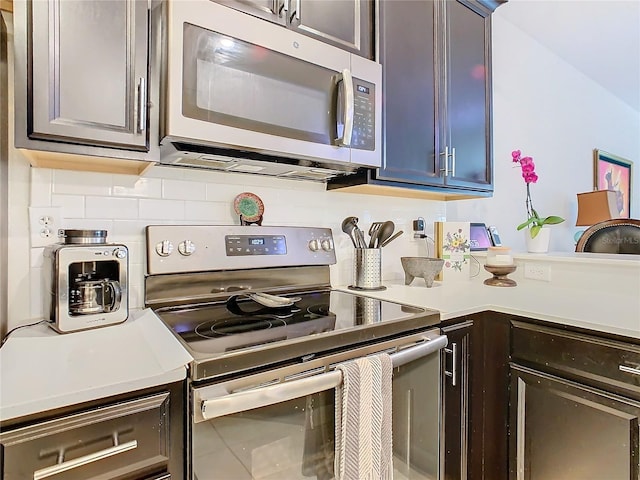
{"x":436,"y":58}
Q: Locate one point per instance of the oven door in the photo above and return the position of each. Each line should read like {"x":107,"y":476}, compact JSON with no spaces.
{"x":237,"y":81}
{"x":280,"y":424}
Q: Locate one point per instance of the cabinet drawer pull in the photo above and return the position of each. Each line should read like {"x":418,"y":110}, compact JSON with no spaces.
{"x":631,"y":370}
{"x":85,"y":460}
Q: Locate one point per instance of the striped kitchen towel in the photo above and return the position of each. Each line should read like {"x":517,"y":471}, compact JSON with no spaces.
{"x":363,"y":420}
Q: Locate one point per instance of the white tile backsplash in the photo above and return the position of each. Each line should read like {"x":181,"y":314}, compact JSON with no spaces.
{"x":209,"y":212}
{"x":41,"y":186}
{"x":111,"y":207}
{"x":128,"y":230}
{"x":162,"y":209}
{"x":132,"y":186}
{"x":72,"y":205}
{"x":81,"y":183}
{"x":36,"y":306}
{"x":220,"y":192}
{"x":124,"y":204}
{"x":183,"y":190}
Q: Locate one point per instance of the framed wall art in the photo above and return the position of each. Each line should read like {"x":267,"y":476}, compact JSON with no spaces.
{"x":611,"y":172}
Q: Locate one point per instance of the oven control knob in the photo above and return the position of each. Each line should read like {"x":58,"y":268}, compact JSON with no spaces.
{"x":314,"y":245}
{"x":186,"y":248}
{"x":327,"y":245}
{"x":119,"y":253}
{"x":164,"y":248}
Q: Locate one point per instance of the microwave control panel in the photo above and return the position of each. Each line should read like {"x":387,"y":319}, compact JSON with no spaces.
{"x":364,"y":115}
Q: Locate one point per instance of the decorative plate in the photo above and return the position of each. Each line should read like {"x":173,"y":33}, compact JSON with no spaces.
{"x":249,"y":205}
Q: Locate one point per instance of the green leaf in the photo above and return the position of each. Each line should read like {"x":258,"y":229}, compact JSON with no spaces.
{"x":535,"y":214}
{"x":526,"y":224}
{"x":552,"y":220}
{"x":535,"y":230}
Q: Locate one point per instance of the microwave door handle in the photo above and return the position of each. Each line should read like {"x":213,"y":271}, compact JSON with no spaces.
{"x":282,"y":392}
{"x":348,"y":107}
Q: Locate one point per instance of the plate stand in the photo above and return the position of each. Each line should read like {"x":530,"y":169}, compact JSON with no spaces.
{"x":244,"y":222}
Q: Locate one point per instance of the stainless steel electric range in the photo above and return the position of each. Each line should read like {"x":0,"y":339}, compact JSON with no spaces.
{"x":255,"y":308}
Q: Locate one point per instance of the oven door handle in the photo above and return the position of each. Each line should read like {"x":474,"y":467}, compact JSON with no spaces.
{"x":282,"y":392}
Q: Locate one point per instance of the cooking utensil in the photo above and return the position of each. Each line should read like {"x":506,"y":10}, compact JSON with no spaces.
{"x":273,"y":301}
{"x":349,"y":225}
{"x":384,"y":233}
{"x":373,"y":229}
{"x":360,"y":236}
{"x":391,"y":239}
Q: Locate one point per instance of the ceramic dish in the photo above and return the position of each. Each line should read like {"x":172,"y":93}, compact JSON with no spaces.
{"x":249,"y":206}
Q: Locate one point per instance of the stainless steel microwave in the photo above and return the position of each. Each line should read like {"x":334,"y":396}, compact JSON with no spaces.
{"x":246,"y":95}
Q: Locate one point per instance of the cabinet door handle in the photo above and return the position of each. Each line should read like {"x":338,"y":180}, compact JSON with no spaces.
{"x":84,"y":460}
{"x":454,"y":364}
{"x":446,"y":161}
{"x":142,"y":105}
{"x":631,"y":370}
{"x":453,"y":161}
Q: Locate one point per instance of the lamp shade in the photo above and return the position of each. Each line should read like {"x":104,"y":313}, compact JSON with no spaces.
{"x":596,"y":206}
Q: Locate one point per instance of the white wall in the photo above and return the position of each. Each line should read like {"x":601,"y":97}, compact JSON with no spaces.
{"x":552,"y":112}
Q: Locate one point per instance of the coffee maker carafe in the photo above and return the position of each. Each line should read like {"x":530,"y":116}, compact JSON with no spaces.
{"x":85,"y":281}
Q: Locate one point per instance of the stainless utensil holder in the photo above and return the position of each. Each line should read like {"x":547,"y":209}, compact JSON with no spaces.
{"x":367,"y":271}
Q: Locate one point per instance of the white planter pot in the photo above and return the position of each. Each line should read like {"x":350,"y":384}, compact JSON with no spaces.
{"x":540,"y":244}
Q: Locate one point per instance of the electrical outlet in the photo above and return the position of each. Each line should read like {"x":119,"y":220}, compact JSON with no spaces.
{"x":537,"y":271}
{"x":44,"y":223}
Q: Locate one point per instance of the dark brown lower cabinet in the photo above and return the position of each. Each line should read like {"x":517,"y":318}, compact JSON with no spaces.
{"x":575,"y":405}
{"x":529,"y":400}
{"x":137,"y":436}
{"x":562,"y":429}
{"x":475,"y":397}
{"x":455,"y":400}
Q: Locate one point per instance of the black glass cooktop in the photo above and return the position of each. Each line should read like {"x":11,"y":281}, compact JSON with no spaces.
{"x":318,"y":321}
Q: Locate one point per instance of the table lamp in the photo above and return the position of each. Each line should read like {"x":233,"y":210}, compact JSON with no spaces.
{"x":595,"y":207}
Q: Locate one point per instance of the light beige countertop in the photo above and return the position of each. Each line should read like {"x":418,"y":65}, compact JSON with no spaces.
{"x":594,"y":291}
{"x":42,"y":370}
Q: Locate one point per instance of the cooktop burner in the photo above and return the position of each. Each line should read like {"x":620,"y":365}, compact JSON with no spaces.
{"x":234,"y":327}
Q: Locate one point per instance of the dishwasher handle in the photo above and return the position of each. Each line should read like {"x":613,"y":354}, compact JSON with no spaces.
{"x":282,"y":392}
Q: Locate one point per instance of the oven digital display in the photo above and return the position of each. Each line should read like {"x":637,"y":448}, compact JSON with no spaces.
{"x":245,"y":245}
